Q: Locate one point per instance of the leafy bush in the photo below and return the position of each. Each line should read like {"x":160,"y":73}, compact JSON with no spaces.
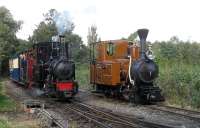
{"x":179,"y":74}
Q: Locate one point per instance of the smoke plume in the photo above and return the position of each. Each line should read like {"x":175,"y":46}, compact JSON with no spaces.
{"x":63,"y":22}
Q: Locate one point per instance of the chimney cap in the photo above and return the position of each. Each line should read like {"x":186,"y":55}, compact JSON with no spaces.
{"x":142,"y":33}
{"x":61,"y":36}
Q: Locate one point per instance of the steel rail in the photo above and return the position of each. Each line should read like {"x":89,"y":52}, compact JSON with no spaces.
{"x":172,"y":110}
{"x":89,"y":118}
{"x":126,"y":119}
{"x":182,"y":109}
{"x":53,"y":119}
{"x":118,"y":120}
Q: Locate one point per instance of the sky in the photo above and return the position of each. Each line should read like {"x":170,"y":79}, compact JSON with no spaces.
{"x":115,"y":18}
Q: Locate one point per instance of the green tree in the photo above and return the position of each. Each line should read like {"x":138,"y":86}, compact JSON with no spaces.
{"x":43,"y":32}
{"x":54,"y":23}
{"x":59,"y":23}
{"x":92,"y":35}
{"x":8,"y":39}
{"x":78,"y":49}
{"x":133,"y":36}
{"x":22,"y":45}
{"x":46,"y":29}
{"x":174,"y":39}
{"x":50,"y":16}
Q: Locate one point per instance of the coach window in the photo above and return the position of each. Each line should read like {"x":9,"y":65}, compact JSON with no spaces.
{"x":110,"y":48}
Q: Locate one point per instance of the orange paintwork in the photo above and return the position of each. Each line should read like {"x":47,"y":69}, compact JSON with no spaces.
{"x":111,"y":61}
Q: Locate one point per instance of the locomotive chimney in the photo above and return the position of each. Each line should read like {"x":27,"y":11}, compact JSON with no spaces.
{"x":142,"y":33}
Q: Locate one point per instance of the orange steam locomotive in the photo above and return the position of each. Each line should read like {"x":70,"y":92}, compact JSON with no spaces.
{"x":123,"y":69}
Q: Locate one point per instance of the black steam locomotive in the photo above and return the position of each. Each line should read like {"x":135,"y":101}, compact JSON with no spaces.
{"x":48,"y":66}
{"x":56,"y":69}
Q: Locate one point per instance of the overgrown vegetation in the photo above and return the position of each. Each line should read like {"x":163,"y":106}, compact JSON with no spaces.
{"x":179,"y":74}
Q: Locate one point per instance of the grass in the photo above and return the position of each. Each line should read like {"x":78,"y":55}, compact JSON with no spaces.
{"x":6,"y":103}
{"x":4,"y":123}
{"x":9,"y":105}
{"x":82,"y":75}
{"x":25,"y":124}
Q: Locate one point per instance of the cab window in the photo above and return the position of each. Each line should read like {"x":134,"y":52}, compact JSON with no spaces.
{"x":110,"y":48}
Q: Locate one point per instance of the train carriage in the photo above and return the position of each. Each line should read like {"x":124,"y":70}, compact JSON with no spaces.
{"x":14,"y":69}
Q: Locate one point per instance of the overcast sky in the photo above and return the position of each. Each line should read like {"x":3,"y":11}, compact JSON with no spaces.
{"x":115,"y":18}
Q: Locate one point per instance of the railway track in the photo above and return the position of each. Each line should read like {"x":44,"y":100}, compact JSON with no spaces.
{"x":108,"y":119}
{"x":189,"y":114}
{"x":97,"y":117}
{"x":104,"y":118}
{"x":50,"y":119}
{"x":192,"y":115}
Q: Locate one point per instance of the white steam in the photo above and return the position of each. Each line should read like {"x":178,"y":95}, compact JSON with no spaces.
{"x":63,"y":22}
